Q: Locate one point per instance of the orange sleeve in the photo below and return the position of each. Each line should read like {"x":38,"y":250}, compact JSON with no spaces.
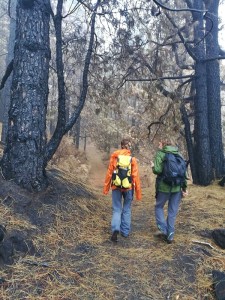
{"x":135,"y":178}
{"x":108,"y":176}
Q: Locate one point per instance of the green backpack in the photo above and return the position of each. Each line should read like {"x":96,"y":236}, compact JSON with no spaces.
{"x":122,"y":174}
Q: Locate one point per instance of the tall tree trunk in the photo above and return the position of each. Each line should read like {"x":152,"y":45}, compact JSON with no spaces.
{"x":189,"y":143}
{"x":23,"y":158}
{"x":202,"y":143}
{"x":76,"y":133}
{"x":7,"y":87}
{"x":213,"y":88}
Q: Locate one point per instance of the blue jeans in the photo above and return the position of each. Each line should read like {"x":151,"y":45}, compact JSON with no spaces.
{"x":167,"y":226}
{"x":121,"y":206}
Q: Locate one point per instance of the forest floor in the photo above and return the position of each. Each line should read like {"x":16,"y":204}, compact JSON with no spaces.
{"x":62,"y":247}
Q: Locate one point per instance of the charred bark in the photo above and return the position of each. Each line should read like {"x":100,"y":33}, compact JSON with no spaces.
{"x":189,"y":142}
{"x":213,"y":89}
{"x":23,"y":158}
{"x":202,"y":141}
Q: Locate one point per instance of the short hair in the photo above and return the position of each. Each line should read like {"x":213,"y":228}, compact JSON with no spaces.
{"x":125,"y":142}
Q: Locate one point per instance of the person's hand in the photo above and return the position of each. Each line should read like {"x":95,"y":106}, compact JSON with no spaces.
{"x":184,"y":193}
{"x":151,"y":164}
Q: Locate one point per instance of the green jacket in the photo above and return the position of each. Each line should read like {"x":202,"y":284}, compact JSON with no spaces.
{"x":161,"y":186}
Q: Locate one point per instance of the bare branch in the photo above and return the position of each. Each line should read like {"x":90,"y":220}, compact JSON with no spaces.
{"x":180,"y":9}
{"x":161,"y":118}
{"x":87,"y":6}
{"x":179,"y":63}
{"x":161,"y":78}
{"x":188,"y":48}
{"x":72,"y":10}
{"x":9,"y":6}
{"x":191,"y":10}
{"x":203,"y":243}
{"x":7,"y":74}
{"x":213,"y":58}
{"x":87,"y":62}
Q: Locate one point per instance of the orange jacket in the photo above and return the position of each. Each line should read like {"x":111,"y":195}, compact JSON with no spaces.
{"x":134,"y":174}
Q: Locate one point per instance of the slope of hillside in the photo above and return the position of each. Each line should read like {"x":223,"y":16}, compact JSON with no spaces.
{"x":73,"y":258}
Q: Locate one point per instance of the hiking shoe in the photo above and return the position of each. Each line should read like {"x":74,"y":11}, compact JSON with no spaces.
{"x":160,"y":234}
{"x":169,"y":238}
{"x":114,"y":237}
{"x":170,"y":241}
{"x":124,"y":235}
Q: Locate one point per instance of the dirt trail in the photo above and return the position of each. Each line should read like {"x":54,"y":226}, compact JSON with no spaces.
{"x":143,"y":266}
{"x":82,"y":262}
{"x":97,"y":167}
{"x":140,"y":259}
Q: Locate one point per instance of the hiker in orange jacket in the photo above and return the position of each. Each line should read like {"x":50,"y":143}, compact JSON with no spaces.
{"x":121,"y":216}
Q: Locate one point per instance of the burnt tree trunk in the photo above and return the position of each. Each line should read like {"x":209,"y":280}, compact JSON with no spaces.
{"x":213,"y":88}
{"x":202,"y":143}
{"x":188,"y":137}
{"x":7,"y":88}
{"x":23,"y":158}
{"x":76,"y":133}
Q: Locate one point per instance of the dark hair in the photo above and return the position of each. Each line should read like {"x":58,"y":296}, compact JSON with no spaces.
{"x":125,"y":142}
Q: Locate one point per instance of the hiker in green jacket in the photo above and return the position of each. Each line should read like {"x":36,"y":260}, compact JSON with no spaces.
{"x":167,"y":192}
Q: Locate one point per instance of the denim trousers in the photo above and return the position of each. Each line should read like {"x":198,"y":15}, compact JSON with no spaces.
{"x":167,"y":226}
{"x":121,"y":211}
